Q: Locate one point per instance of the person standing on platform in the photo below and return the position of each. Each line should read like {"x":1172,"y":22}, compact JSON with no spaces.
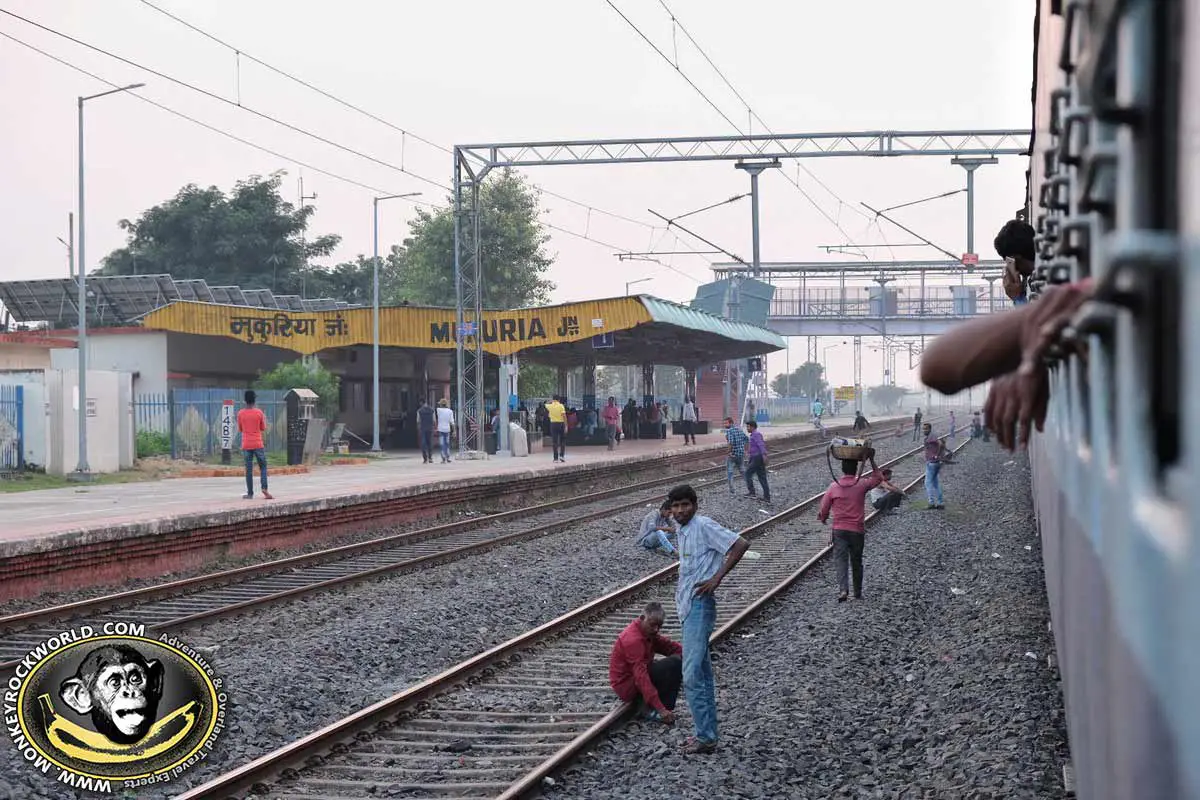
{"x":845,"y":497}
{"x":916,"y":424}
{"x":445,"y":425}
{"x":633,"y":670}
{"x":666,"y":419}
{"x":557,"y":414}
{"x":612,"y":421}
{"x":252,"y":424}
{"x":426,"y":424}
{"x":689,"y":420}
{"x":756,"y":452}
{"x":736,"y":457}
{"x":707,"y":551}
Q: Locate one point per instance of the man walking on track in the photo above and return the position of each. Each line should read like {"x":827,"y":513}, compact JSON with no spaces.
{"x":558,"y":428}
{"x":633,"y":670}
{"x":756,"y":453}
{"x":845,"y":498}
{"x":707,"y":552}
{"x":426,"y":421}
{"x":935,"y":452}
{"x":916,"y":424}
{"x":737,"y":451}
{"x":252,"y":424}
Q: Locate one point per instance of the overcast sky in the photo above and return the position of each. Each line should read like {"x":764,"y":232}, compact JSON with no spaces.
{"x":475,"y":71}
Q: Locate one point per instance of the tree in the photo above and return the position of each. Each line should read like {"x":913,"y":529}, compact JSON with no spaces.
{"x":251,"y":238}
{"x":514,"y":261}
{"x":353,"y":281}
{"x":807,"y":380}
{"x":537,"y":380}
{"x":886,"y":397}
{"x":305,"y":374}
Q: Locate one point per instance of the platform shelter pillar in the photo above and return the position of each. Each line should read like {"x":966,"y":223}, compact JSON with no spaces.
{"x":589,"y":383}
{"x":647,"y":384}
{"x":560,"y":384}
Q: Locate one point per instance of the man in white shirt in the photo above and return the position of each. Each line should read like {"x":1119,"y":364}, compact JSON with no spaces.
{"x":689,"y":420}
{"x":445,"y":424}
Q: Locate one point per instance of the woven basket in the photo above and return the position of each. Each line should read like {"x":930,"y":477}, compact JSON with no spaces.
{"x":850,"y":449}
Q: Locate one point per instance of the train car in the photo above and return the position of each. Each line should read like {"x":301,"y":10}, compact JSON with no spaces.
{"x":1114,"y":194}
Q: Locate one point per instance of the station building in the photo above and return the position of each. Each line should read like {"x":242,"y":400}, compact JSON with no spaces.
{"x":168,"y":343}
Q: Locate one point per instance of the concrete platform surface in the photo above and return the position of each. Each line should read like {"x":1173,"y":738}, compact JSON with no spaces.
{"x":42,"y":520}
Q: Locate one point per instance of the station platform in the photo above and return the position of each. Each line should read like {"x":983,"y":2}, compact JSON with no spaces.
{"x":50,"y":538}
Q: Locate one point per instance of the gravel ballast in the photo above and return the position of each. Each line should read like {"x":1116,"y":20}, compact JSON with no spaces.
{"x":936,"y":685}
{"x":293,"y":668}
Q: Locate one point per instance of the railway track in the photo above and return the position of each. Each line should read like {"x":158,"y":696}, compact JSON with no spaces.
{"x":177,"y":604}
{"x":500,"y":722}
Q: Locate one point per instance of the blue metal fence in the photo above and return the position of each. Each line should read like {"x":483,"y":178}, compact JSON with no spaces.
{"x":195,"y":420}
{"x":152,"y":412}
{"x":12,"y":428}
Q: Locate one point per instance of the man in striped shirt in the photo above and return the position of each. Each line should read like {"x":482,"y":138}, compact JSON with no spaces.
{"x":737,"y":451}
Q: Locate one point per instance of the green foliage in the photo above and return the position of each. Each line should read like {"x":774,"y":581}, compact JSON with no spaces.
{"x":885,"y":398}
{"x":152,"y":443}
{"x":305,"y":374}
{"x":537,"y":380}
{"x":807,"y":380}
{"x":251,"y":237}
{"x":513,"y":257}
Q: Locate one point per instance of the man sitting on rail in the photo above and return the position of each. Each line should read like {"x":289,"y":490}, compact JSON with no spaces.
{"x":707,"y":552}
{"x":845,"y":498}
{"x":633,"y":670}
{"x":656,"y":529}
{"x":885,"y":497}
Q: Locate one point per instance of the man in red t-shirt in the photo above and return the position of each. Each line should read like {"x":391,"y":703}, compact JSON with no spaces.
{"x":846,"y":498}
{"x":633,"y":671}
{"x":252,"y":424}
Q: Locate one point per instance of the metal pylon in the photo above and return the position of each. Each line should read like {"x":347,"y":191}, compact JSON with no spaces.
{"x":858,"y":387}
{"x":812,"y":350}
{"x":468,"y":334}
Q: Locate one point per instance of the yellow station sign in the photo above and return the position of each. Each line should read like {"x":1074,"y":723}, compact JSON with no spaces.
{"x":308,"y":332}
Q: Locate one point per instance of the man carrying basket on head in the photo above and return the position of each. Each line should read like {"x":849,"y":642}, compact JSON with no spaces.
{"x":846,"y":498}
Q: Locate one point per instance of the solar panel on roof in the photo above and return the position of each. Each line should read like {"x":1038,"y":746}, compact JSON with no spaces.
{"x":229,"y":295}
{"x":260,"y":298}
{"x":290,"y":302}
{"x":194,"y":289}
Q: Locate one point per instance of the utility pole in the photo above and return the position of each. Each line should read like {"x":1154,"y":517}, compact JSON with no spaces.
{"x":753,"y":169}
{"x":69,"y":243}
{"x":970,"y":165}
{"x":303,"y":242}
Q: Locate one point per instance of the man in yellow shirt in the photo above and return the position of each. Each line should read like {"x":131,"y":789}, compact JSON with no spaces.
{"x":558,"y":428}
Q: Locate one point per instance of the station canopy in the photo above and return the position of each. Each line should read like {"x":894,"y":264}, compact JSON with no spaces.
{"x":620,"y":330}
{"x":124,"y":299}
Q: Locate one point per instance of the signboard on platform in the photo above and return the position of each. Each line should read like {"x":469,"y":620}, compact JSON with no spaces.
{"x":228,"y":427}
{"x":604,"y":341}
{"x":843,"y":393}
{"x":970,"y":259}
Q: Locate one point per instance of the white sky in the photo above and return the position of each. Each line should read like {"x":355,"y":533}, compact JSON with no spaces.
{"x":471,"y":71}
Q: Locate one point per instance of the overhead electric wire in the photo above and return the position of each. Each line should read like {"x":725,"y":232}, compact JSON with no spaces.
{"x":353,"y":107}
{"x":267,"y":117}
{"x":213,"y":128}
{"x":754,"y":114}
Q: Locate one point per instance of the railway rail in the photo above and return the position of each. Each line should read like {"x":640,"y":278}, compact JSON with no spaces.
{"x":499,"y":723}
{"x":177,"y":604}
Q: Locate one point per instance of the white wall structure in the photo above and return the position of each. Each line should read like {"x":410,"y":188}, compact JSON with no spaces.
{"x":143,"y":354}
{"x":109,"y":420}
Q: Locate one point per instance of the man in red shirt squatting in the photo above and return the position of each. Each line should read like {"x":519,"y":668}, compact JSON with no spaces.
{"x":846,"y":497}
{"x":252,"y":424}
{"x":633,"y":671}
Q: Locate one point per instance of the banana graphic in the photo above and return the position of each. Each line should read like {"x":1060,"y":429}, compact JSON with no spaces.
{"x":77,"y":742}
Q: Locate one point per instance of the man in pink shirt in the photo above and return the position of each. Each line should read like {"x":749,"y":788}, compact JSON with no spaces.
{"x":846,"y":498}
{"x":612,"y":418}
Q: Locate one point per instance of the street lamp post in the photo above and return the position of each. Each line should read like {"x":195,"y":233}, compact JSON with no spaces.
{"x":375,"y":448}
{"x":82,"y":469}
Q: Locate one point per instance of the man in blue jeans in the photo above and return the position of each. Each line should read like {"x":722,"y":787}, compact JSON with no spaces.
{"x":935,"y":450}
{"x":736,"y":457}
{"x":707,"y":551}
